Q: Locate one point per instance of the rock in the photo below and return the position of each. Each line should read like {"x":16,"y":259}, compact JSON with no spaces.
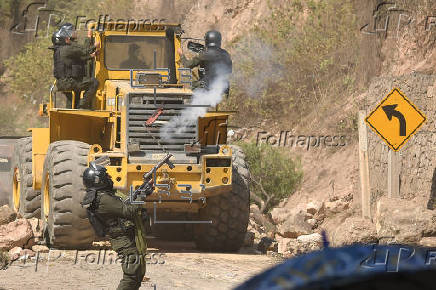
{"x":279,"y":215}
{"x":303,"y":245}
{"x":270,"y":235}
{"x":40,"y":248}
{"x":14,"y":253}
{"x":282,"y":246}
{"x":273,"y":247}
{"x":15,"y":234}
{"x":254,"y":208}
{"x":27,"y":253}
{"x":334,"y":207}
{"x":249,"y":239}
{"x":354,"y":230}
{"x":7,"y":215}
{"x":313,"y":207}
{"x":403,"y":221}
{"x":271,"y":253}
{"x":428,"y":242}
{"x":294,"y":226}
{"x":265,"y":244}
{"x":36,"y":225}
{"x":315,"y":239}
{"x":262,"y":221}
{"x":30,"y":243}
{"x":311,"y":222}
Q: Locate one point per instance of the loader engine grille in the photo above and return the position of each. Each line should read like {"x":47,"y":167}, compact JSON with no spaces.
{"x":147,"y":138}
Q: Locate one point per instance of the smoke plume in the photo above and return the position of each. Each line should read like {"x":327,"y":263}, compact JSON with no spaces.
{"x":256,"y":64}
{"x":204,"y":97}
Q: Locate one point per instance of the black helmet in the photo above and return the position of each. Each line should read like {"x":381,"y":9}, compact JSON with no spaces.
{"x":212,"y":38}
{"x":65,"y":31}
{"x":56,"y":39}
{"x":95,"y":176}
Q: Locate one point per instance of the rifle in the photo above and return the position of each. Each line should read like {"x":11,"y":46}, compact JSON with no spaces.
{"x":195,"y":46}
{"x":146,"y":188}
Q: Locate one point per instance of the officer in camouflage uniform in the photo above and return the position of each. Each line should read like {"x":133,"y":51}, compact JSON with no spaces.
{"x":110,"y":216}
{"x":70,"y":60}
{"x":213,"y":61}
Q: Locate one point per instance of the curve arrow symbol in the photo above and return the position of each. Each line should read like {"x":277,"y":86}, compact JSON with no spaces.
{"x":391,"y":112}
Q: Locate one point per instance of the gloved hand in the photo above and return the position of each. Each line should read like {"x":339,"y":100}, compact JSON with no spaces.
{"x":149,"y":188}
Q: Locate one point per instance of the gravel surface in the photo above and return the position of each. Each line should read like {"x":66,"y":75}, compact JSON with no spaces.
{"x":171,"y":266}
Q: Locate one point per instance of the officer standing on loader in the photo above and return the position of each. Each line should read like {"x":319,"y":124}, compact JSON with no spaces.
{"x":110,"y":216}
{"x":213,"y":61}
{"x":69,"y":59}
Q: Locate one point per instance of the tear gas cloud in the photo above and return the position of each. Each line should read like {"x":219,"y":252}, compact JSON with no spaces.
{"x":205,"y":98}
{"x":256,"y":64}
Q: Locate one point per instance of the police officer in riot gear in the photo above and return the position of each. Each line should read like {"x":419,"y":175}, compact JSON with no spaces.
{"x":214,"y":62}
{"x":111,"y":217}
{"x":69,"y":59}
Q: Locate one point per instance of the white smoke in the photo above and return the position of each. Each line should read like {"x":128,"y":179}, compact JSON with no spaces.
{"x":204,"y":97}
{"x":256,"y":65}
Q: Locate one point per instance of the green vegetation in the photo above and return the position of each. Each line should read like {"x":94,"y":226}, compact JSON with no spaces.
{"x":4,"y":260}
{"x":8,"y":127}
{"x":5,"y":11}
{"x":273,"y":174}
{"x":30,"y":71}
{"x":304,"y":55}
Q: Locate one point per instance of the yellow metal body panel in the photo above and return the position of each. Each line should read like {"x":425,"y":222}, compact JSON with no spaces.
{"x":212,"y":128}
{"x":91,"y":127}
{"x":40,"y":143}
{"x":204,"y":181}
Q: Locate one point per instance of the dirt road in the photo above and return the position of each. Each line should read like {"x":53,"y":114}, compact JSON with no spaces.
{"x":172,"y":266}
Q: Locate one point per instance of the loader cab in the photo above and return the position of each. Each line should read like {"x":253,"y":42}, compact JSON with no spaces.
{"x":150,"y":50}
{"x":145,"y":55}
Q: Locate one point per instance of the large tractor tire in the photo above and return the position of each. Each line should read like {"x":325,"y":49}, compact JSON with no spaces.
{"x":24,"y":199}
{"x":65,"y":222}
{"x":173,"y":232}
{"x":228,"y":212}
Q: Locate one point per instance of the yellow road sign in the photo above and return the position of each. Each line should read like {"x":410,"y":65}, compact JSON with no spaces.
{"x":395,"y":119}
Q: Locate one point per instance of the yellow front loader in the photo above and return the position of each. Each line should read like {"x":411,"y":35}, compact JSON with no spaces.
{"x":207,"y":190}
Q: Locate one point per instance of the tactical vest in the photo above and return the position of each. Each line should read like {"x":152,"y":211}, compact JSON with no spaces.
{"x":109,"y":227}
{"x":216,"y":62}
{"x":62,"y":70}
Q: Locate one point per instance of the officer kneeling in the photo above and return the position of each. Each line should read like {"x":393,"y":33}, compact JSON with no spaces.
{"x":111,"y":217}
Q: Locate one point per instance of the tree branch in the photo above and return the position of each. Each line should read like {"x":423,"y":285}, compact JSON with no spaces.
{"x":264,"y":204}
